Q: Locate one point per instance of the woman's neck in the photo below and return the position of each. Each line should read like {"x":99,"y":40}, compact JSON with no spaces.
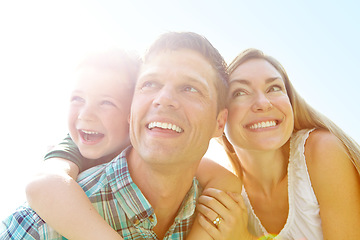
{"x":264,"y":170}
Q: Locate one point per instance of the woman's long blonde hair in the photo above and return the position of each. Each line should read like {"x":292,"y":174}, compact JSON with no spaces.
{"x":305,"y":117}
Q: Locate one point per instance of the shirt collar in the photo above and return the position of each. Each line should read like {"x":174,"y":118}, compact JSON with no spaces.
{"x":188,"y":205}
{"x":134,"y":203}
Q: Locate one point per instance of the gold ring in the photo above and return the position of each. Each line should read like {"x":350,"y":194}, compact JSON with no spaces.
{"x":217,"y":221}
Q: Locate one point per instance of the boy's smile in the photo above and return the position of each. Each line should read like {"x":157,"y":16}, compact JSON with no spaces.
{"x":99,"y":109}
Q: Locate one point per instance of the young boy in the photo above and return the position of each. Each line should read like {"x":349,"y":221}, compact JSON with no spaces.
{"x":98,"y":127}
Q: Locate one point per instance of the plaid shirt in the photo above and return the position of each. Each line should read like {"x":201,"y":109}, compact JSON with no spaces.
{"x":117,"y":199}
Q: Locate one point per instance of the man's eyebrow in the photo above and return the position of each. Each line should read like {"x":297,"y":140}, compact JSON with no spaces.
{"x":192,"y":79}
{"x":147,"y":74}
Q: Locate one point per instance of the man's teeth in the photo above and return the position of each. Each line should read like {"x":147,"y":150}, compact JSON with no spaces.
{"x":263,"y":125}
{"x":165,"y":126}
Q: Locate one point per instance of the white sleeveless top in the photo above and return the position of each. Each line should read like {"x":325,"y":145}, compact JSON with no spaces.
{"x":303,"y":221}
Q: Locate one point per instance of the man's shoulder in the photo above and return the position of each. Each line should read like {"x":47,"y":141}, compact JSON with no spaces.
{"x":101,"y":177}
{"x":93,"y":179}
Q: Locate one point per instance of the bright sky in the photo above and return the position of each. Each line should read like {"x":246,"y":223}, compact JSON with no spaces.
{"x":316,"y":41}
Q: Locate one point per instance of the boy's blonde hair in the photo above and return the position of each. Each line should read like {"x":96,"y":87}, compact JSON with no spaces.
{"x":114,"y":59}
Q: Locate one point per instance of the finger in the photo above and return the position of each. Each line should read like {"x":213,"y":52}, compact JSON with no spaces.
{"x":212,"y":208}
{"x":212,"y":203}
{"x":207,"y":212}
{"x":230,"y":219}
{"x":229,"y":212}
{"x":235,"y":196}
{"x":242,"y":204}
{"x":217,"y":194}
{"x":238,"y":199}
{"x":209,"y":227}
{"x":222,"y":197}
{"x":233,"y":203}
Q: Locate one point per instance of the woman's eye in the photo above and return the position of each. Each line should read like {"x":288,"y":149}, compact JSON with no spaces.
{"x":239,"y":93}
{"x":275,"y":88}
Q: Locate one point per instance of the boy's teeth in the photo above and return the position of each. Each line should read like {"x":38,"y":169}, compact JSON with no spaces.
{"x":89,"y":132}
{"x":165,"y":126}
{"x":263,"y":125}
{"x":91,"y":136}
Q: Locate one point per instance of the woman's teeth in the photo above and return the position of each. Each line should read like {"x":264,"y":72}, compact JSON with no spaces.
{"x":263,"y":125}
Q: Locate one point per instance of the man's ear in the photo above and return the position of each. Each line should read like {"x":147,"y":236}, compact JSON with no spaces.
{"x":220,"y":122}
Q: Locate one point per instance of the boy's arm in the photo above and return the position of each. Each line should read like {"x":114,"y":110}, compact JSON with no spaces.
{"x":221,"y":197}
{"x":61,"y":202}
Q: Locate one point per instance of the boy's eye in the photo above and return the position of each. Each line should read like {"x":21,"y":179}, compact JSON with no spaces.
{"x":109,"y":103}
{"x":76,"y":99}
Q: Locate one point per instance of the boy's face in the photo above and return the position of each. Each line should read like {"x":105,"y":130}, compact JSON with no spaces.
{"x":99,"y":110}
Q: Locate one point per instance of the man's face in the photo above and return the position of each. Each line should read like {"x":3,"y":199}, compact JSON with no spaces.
{"x":174,"y":110}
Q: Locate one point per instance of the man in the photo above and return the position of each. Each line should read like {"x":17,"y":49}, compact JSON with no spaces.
{"x":149,"y":190}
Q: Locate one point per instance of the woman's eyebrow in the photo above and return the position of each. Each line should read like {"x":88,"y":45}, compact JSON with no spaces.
{"x":241,"y":81}
{"x":269,"y":80}
{"x":247,"y":82}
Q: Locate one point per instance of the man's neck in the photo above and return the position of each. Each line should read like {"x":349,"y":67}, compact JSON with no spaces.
{"x":164,"y":187}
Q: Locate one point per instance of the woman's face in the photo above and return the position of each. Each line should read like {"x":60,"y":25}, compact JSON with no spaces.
{"x":260,"y":114}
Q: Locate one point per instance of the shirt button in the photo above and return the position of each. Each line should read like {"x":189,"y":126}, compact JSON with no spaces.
{"x":151,"y":218}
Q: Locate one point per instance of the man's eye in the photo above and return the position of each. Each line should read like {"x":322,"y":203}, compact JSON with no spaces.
{"x":190,"y":89}
{"x":148,"y":85}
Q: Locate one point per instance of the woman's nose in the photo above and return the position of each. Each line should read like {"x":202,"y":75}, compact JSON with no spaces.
{"x":261,"y":104}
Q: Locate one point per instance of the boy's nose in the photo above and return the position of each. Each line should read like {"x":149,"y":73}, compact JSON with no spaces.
{"x":87,"y":113}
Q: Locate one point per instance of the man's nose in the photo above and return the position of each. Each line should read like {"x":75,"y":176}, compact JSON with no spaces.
{"x":166,"y":97}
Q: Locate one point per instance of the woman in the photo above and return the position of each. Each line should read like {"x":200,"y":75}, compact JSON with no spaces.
{"x":300,"y":171}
